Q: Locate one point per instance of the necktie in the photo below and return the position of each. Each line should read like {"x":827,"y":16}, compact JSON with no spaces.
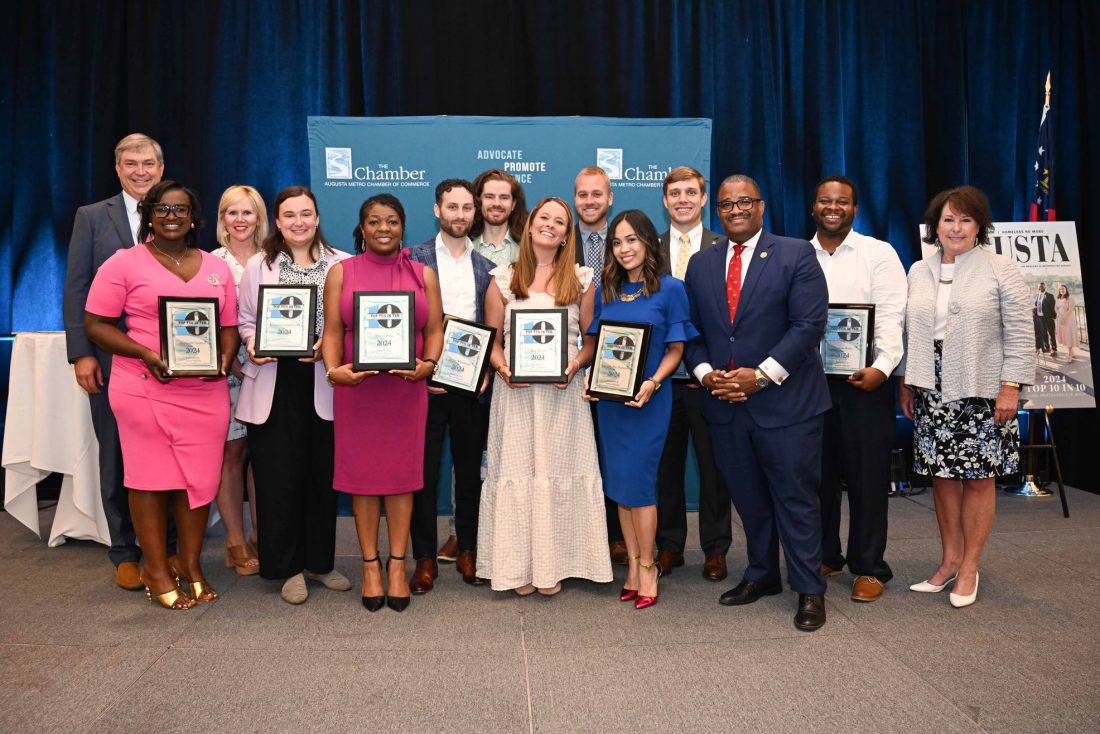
{"x":682,"y":256}
{"x":594,"y":256}
{"x":733,"y":280}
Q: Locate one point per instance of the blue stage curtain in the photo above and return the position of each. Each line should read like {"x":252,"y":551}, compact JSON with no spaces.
{"x":905,"y":96}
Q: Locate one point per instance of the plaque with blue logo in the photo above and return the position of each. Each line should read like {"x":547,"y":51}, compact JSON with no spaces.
{"x":618,"y":368}
{"x":465,"y":358}
{"x":286,"y":322}
{"x":538,"y":344}
{"x":189,"y":342}
{"x":849,"y":341}
{"x":382,"y":330}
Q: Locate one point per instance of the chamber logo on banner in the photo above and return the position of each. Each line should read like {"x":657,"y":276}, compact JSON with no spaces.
{"x":340,"y":171}
{"x":1047,"y":255}
{"x":647,"y":175}
{"x":610,"y":160}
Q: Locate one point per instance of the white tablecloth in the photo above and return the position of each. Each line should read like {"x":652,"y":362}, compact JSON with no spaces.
{"x":49,"y":429}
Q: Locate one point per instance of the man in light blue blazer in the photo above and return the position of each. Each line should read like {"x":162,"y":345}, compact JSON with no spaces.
{"x":760,"y":306}
{"x":463,"y":280}
{"x":100,"y":230}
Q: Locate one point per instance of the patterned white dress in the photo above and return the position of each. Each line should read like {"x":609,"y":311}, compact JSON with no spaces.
{"x":236,"y":428}
{"x":542,"y":508}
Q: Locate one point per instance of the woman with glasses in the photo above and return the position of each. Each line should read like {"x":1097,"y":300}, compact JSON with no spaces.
{"x":287,"y":404}
{"x":242,"y":227}
{"x":172,"y":430}
{"x":542,"y":509}
{"x":632,"y":434}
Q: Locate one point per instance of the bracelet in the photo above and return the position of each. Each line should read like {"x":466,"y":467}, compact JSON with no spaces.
{"x":655,"y":381}
{"x":1010,"y":383}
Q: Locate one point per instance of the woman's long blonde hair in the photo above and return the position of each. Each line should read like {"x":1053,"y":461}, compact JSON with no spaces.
{"x":563,"y":279}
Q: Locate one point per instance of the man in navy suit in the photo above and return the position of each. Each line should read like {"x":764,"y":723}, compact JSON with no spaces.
{"x":760,"y":305}
{"x":100,"y":230}
{"x":463,"y":280}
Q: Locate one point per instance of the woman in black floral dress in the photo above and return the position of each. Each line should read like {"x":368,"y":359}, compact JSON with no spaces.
{"x":969,"y":349}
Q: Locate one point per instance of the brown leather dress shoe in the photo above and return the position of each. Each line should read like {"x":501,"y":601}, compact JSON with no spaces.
{"x":467,"y":566}
{"x":827,"y":570}
{"x":668,"y":560}
{"x":423,"y":578}
{"x":715,"y":567}
{"x":618,"y":552}
{"x":128,"y":576}
{"x":866,"y":588}
{"x":448,"y":551}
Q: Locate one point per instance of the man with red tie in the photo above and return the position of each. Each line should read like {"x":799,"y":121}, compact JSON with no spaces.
{"x":760,"y":306}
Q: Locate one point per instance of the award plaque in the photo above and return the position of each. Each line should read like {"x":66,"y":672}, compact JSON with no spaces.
{"x":189,"y":338}
{"x":465,"y":358}
{"x":382,"y":331}
{"x":849,"y":342}
{"x":619,"y":367}
{"x":538,"y":349}
{"x":285,"y":325}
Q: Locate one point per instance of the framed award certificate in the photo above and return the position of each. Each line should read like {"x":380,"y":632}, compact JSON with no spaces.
{"x":538,"y":349}
{"x":465,"y":358}
{"x":382,"y":330}
{"x":285,"y":325}
{"x":618,"y":369}
{"x":849,"y":342}
{"x":189,"y":342}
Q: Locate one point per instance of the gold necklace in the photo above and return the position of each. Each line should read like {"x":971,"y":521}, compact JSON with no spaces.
{"x":632,"y":297}
{"x":162,"y":252}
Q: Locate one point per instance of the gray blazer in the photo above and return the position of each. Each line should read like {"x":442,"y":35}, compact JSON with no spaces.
{"x":100,"y":230}
{"x":989,"y":337}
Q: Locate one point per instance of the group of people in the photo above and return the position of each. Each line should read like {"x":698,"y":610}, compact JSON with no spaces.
{"x":572,"y":483}
{"x":1055,"y":320}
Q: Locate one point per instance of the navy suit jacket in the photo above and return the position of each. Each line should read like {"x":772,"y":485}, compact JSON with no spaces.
{"x":781,"y":314}
{"x":425,"y":253}
{"x":99,"y":231}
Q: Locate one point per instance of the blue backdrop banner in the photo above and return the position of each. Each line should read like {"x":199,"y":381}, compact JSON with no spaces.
{"x":354,"y":158}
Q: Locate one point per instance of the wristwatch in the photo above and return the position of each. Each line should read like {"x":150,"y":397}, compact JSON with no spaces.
{"x":761,"y":379}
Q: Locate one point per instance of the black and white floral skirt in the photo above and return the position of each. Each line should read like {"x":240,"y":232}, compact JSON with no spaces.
{"x":959,"y":440}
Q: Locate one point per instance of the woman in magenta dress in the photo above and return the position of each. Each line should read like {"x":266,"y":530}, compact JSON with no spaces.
{"x":172,"y":430}
{"x":380,"y":416}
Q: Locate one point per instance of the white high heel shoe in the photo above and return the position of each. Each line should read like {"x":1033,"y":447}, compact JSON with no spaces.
{"x":958,"y":600}
{"x":928,"y":588}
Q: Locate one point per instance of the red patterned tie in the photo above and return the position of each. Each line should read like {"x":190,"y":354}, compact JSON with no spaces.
{"x":733,"y":281}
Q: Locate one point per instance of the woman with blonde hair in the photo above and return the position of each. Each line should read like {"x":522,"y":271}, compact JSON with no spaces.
{"x":241,"y":230}
{"x":542,"y":510}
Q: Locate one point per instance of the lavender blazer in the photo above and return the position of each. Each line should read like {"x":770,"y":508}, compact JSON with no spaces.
{"x":258,"y":386}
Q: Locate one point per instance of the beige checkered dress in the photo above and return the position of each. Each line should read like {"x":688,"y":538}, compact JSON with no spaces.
{"x":542,"y":509}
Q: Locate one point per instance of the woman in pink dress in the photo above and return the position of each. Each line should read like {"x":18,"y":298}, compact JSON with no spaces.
{"x":172,"y":430}
{"x":380,"y":416}
{"x":1065,"y":311}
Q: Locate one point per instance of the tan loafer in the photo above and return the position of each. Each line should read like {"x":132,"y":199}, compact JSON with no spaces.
{"x":128,"y":576}
{"x":866,"y":588}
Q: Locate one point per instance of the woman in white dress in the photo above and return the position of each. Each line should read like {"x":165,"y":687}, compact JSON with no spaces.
{"x":542,"y":509}
{"x":242,"y":226}
{"x":1066,"y":324}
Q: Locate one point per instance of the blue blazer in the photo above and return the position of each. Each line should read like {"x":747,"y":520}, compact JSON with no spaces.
{"x":425,"y":253}
{"x":99,"y":231}
{"x":782,"y":311}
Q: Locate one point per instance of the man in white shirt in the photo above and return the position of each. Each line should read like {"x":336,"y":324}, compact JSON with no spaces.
{"x":859,"y":427}
{"x":501,"y":212}
{"x":463,"y":280}
{"x":685,"y":197}
{"x":592,"y":198}
{"x":100,"y":230}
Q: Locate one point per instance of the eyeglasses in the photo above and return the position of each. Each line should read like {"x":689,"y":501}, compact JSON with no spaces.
{"x":180,"y":210}
{"x":744,"y":204}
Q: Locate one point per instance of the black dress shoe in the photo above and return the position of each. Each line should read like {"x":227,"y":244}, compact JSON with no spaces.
{"x":811,"y":612}
{"x":747,"y":592}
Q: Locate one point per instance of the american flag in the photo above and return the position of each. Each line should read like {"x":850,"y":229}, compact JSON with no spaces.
{"x":1042,"y":201}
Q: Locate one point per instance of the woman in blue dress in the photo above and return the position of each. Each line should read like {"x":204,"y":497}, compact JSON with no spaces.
{"x":632,"y":434}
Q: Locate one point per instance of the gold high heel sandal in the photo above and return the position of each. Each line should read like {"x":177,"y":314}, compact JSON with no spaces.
{"x":199,"y":590}
{"x":174,"y":599}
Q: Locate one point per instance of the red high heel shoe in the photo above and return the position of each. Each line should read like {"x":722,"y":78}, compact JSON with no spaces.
{"x":629,"y":594}
{"x":642,"y":601}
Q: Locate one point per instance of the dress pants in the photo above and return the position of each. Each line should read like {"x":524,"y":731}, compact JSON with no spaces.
{"x":469,"y":423}
{"x":611,"y":508}
{"x":292,"y":456}
{"x":116,"y":497}
{"x":858,"y":436}
{"x":773,"y":476}
{"x":715,"y":510}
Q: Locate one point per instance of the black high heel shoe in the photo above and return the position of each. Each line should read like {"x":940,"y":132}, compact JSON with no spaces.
{"x":374,"y":603}
{"x":397,"y":603}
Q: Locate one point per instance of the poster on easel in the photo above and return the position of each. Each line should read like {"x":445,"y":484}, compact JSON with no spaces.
{"x":1047,"y":254}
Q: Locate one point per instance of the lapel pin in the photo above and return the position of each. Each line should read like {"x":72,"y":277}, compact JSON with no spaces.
{"x":213,"y":279}
{"x":763,"y":255}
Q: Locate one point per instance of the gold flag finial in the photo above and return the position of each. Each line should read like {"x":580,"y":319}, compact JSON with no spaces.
{"x":1047,"y":102}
